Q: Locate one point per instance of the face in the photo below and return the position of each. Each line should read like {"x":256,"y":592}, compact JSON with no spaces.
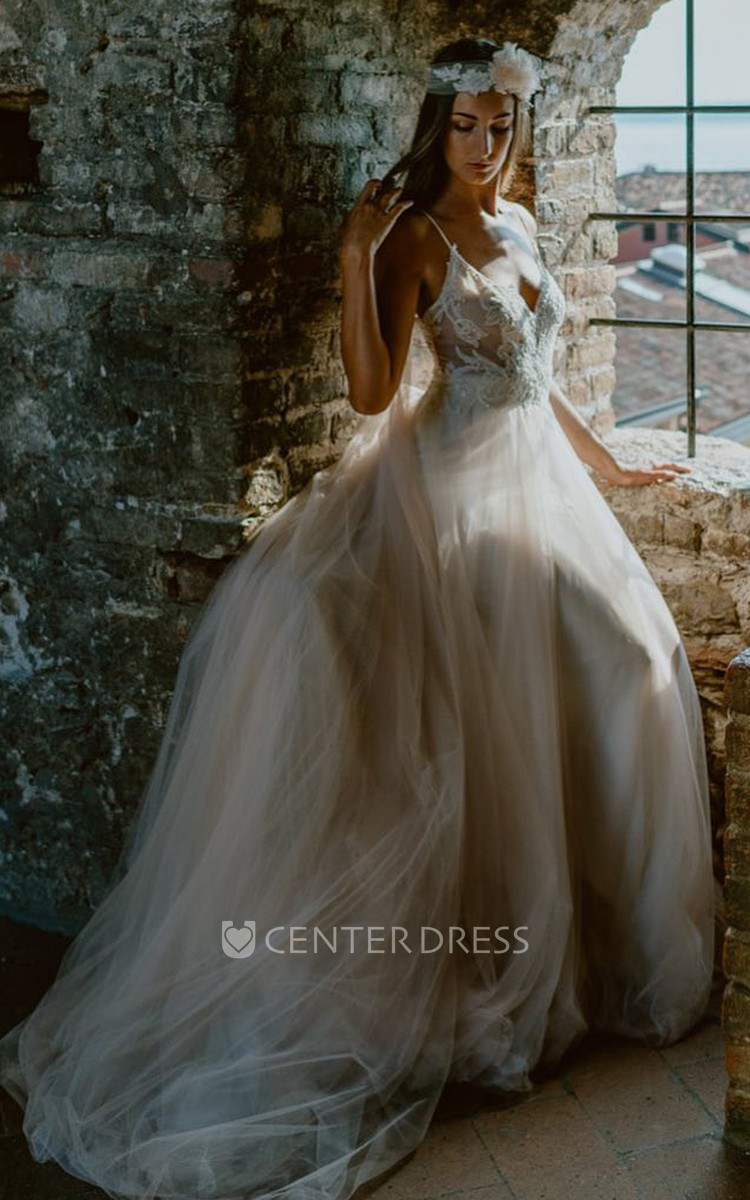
{"x":479,"y":135}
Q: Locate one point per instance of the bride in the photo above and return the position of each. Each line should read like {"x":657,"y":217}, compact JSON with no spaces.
{"x":431,"y":800}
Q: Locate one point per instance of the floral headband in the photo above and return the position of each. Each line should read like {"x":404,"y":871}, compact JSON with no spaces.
{"x":510,"y":69}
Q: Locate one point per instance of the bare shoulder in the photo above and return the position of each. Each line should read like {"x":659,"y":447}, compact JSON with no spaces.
{"x":404,"y":248}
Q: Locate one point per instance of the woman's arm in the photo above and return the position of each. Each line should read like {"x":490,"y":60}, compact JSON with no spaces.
{"x":592,"y":450}
{"x":584,"y":441}
{"x":381,"y":272}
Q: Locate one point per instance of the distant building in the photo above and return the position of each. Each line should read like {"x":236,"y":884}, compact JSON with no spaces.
{"x":651,"y":262}
{"x":664,"y":191}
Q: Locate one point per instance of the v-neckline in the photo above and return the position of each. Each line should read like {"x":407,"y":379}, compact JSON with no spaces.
{"x":499,"y":287}
{"x":492,"y":283}
{"x":508,"y":287}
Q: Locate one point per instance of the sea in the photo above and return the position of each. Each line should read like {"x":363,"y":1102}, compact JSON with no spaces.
{"x":722,"y":142}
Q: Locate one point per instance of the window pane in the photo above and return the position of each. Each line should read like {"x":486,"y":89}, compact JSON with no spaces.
{"x":722,"y":36}
{"x":650,"y":377}
{"x":722,"y":370}
{"x":654,"y":69}
{"x":651,"y":262}
{"x":650,"y":156}
{"x":722,"y":162}
{"x":722,"y":275}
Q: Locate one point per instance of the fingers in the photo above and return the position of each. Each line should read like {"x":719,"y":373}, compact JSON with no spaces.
{"x":672,"y":466}
{"x":655,"y":473}
{"x":663,"y":472}
{"x":648,"y":476}
{"x":375,"y":193}
{"x":399,"y":206}
{"x":370,"y":190}
{"x":389,"y":199}
{"x":666,"y":472}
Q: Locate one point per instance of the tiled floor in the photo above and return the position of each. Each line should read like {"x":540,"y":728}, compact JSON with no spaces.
{"x":619,"y":1121}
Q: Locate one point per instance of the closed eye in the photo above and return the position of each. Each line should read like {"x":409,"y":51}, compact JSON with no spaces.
{"x":497,"y":129}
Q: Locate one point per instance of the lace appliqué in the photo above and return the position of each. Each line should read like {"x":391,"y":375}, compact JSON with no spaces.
{"x":492,"y":349}
{"x":472,"y":79}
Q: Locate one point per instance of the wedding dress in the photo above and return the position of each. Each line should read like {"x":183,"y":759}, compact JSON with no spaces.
{"x":438,"y":691}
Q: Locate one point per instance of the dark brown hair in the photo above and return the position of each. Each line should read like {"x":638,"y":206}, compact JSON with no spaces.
{"x":423,"y":165}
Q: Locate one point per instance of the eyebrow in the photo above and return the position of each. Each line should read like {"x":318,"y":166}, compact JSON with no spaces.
{"x":474,"y":117}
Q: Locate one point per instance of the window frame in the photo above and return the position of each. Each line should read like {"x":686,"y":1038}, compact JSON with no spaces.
{"x":689,"y":218}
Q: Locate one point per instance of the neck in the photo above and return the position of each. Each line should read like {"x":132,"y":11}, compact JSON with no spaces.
{"x":464,"y":201}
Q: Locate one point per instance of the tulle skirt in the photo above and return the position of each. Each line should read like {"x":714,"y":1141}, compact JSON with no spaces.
{"x":431,"y":802}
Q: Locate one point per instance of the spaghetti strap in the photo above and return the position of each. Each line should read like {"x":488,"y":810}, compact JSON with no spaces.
{"x":443,"y":236}
{"x":527,"y":238}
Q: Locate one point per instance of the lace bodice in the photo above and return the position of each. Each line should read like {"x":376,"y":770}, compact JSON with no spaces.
{"x":491,"y":349}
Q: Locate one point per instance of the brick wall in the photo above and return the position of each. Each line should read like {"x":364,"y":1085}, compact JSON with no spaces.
{"x":169,"y":333}
{"x":169,"y":367}
{"x":120,"y":361}
{"x":575,"y":174}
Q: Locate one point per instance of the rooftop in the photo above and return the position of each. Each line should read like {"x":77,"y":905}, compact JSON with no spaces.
{"x":651,"y":363}
{"x":715,"y":191}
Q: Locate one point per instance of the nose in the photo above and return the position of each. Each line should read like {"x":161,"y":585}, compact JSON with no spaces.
{"x":488,"y":141}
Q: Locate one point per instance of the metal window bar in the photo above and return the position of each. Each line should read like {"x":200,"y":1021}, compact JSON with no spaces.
{"x":689,"y":218}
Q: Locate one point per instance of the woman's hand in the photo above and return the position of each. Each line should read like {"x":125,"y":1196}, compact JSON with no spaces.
{"x":655,"y":473}
{"x":370,"y":219}
{"x":589,"y":447}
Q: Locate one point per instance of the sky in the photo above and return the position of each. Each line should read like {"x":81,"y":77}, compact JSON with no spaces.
{"x":654,"y":71}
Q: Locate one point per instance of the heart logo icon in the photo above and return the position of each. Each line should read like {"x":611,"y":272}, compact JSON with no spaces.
{"x":238,"y":942}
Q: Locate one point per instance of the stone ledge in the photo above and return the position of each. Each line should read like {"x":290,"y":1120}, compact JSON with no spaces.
{"x":694,"y":535}
{"x":721,"y":467}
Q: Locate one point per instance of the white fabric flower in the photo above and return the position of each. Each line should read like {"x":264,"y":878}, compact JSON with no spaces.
{"x":512,"y":70}
{"x":464,"y":77}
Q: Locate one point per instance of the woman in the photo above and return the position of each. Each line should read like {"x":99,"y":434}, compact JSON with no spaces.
{"x":433,"y":767}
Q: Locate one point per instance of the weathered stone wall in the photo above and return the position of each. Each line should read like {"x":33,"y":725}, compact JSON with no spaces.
{"x":330,"y":94}
{"x":736,"y":959}
{"x":168,"y":329}
{"x":575,"y":176}
{"x":169,"y":333}
{"x":121,"y":390}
